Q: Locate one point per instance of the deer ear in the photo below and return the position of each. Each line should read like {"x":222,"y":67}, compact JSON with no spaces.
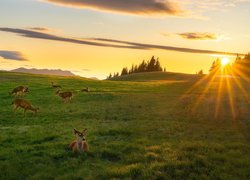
{"x":85,"y":130}
{"x":75,"y":131}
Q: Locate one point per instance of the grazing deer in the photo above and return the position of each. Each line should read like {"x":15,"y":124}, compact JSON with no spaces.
{"x":19,"y":90}
{"x":80,"y":144}
{"x":85,"y":90}
{"x":55,"y":86}
{"x":26,"y":105}
{"x":66,"y":96}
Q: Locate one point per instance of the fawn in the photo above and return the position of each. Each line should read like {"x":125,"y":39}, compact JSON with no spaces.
{"x":19,"y":90}
{"x":26,"y":105}
{"x":55,"y":86}
{"x":85,"y":89}
{"x":66,"y":96}
{"x":80,"y":144}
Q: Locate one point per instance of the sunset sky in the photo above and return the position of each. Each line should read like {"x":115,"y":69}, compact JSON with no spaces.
{"x":94,"y":37}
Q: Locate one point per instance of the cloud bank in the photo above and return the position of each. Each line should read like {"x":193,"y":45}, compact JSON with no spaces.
{"x":135,"y":7}
{"x":102,"y":42}
{"x":12,"y":55}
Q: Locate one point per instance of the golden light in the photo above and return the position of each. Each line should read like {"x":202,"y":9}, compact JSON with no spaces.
{"x":226,"y":85}
{"x":225,"y":61}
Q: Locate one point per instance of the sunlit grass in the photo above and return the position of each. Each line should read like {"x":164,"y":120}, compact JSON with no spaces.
{"x":136,"y":130}
{"x":227,"y":78}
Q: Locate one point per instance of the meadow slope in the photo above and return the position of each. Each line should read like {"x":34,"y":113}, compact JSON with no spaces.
{"x":138,"y":130}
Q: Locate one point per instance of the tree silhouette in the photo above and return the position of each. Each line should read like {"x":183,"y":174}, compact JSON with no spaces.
{"x":200,"y":72}
{"x":149,"y":66}
{"x":124,"y":71}
{"x":215,"y":66}
{"x":242,"y":65}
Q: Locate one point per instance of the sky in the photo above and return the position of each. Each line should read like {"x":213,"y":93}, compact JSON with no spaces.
{"x":92,"y":38}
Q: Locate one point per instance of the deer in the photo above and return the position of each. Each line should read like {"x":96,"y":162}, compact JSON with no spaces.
{"x":80,"y":144}
{"x":55,"y":86}
{"x":85,"y":89}
{"x":26,"y":105}
{"x":66,"y":96}
{"x":19,"y":90}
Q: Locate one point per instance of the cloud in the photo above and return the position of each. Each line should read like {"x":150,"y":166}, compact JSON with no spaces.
{"x":199,"y":36}
{"x":102,"y":42}
{"x":12,"y":55}
{"x":170,"y":48}
{"x":42,"y":35}
{"x":39,"y":29}
{"x":135,"y":7}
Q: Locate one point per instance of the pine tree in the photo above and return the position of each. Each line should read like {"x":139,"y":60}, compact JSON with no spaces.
{"x":158,"y":65}
{"x":110,"y":76}
{"x":200,"y":72}
{"x":142,"y":67}
{"x":151,"y":65}
{"x":242,"y":65}
{"x":216,"y":66}
{"x":124,"y":71}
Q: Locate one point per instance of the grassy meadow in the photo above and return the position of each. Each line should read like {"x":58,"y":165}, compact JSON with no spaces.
{"x":158,"y":129}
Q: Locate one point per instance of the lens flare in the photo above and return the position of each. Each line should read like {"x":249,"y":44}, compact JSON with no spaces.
{"x":225,"y":61}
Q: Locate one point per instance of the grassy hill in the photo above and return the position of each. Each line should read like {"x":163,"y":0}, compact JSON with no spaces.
{"x":155,"y":76}
{"x":139,"y":130}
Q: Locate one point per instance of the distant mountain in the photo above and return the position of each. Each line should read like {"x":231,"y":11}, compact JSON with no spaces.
{"x":57,"y":72}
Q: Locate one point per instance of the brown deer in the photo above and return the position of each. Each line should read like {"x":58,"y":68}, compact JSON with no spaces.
{"x":55,"y":86}
{"x":80,"y":144}
{"x":26,"y":105}
{"x":20,"y":90}
{"x":66,"y":96}
{"x":85,"y":89}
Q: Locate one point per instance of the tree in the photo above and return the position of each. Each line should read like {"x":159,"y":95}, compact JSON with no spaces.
{"x":216,"y":66}
{"x":110,"y":76}
{"x":151,"y":65}
{"x":158,"y":65}
{"x":142,"y":67}
{"x":242,"y":65}
{"x":200,"y":72}
{"x":124,"y":71}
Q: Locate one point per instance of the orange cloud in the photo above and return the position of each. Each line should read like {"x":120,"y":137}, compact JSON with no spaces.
{"x":135,"y":7}
{"x":198,"y":36}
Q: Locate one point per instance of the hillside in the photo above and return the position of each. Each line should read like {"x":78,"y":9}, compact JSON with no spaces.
{"x":57,"y":72}
{"x":154,"y":76}
{"x":136,"y":130}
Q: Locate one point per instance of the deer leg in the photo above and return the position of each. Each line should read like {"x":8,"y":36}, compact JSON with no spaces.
{"x":15,"y":109}
{"x":24,"y":113}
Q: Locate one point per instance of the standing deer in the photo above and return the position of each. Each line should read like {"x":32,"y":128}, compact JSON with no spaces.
{"x":80,"y":144}
{"x":66,"y":96}
{"x":26,"y":105}
{"x":55,"y":86}
{"x":20,"y":90}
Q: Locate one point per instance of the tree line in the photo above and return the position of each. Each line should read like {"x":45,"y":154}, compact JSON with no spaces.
{"x":241,"y":66}
{"x":153,"y":65}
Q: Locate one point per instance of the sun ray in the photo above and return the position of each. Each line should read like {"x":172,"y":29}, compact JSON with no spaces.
{"x":239,"y":85}
{"x":218,"y":97}
{"x":203,"y":93}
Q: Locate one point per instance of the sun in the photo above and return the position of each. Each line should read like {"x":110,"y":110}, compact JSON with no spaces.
{"x":225,"y":61}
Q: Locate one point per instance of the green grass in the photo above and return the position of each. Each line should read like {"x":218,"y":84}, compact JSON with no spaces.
{"x":138,"y":130}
